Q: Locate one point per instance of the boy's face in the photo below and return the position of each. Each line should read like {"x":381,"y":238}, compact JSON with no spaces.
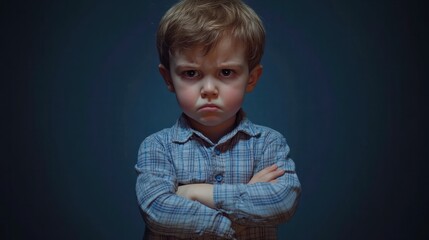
{"x":210,"y":87}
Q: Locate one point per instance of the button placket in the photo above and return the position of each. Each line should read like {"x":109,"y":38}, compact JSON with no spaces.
{"x":219,"y":178}
{"x":219,"y":169}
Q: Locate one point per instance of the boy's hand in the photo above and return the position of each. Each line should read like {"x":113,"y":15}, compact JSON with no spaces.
{"x":184,"y":191}
{"x":269,"y":174}
{"x":202,"y":193}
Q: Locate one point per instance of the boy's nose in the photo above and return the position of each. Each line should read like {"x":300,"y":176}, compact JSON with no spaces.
{"x":209,"y":90}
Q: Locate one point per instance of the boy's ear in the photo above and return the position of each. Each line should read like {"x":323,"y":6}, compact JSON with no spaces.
{"x":165,"y":73}
{"x":254,"y":76}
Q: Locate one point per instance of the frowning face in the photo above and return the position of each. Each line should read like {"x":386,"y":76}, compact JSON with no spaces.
{"x":210,"y":87}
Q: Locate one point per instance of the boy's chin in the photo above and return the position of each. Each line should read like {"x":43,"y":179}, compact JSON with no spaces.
{"x":205,"y":121}
{"x":213,"y":121}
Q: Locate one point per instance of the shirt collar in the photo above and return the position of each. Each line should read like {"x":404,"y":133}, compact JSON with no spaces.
{"x":182,"y":132}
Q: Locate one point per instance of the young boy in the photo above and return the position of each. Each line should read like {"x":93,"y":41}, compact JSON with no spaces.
{"x":214,"y":174}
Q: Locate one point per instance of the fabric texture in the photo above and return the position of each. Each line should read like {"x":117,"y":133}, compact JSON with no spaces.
{"x":180,"y":155}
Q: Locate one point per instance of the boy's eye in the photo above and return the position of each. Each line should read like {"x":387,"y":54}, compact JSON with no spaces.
{"x":190,"y":73}
{"x":226,"y":72}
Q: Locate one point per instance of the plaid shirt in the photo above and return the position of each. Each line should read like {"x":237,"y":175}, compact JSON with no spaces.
{"x":180,"y":155}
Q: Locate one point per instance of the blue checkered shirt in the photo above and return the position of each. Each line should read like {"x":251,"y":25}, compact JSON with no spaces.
{"x":181,"y":155}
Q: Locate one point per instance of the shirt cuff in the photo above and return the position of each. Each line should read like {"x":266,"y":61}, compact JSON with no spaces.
{"x":227,"y":197}
{"x":224,"y":228}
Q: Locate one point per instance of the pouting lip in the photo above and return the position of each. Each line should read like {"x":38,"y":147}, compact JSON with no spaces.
{"x":209,"y":105}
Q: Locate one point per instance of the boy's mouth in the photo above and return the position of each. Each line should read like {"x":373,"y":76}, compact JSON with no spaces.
{"x":209,"y":107}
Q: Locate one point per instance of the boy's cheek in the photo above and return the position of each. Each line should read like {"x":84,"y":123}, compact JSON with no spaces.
{"x":233,"y":98}
{"x":186,"y":100}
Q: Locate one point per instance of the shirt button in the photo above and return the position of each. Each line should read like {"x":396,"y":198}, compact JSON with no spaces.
{"x":219,"y":178}
{"x":217,"y":151}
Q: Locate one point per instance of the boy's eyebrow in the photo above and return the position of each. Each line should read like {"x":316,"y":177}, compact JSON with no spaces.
{"x":222,"y":65}
{"x":232,"y":64}
{"x":187,"y":65}
{"x":180,"y":67}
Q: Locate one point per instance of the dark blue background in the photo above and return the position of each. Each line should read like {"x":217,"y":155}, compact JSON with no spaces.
{"x":343,"y":81}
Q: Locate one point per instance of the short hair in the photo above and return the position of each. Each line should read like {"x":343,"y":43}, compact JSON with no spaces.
{"x":191,"y":23}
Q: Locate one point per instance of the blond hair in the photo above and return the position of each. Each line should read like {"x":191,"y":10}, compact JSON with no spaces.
{"x":192,"y":23}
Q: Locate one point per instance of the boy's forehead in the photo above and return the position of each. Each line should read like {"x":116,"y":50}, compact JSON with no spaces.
{"x":195,"y":51}
{"x":226,"y":48}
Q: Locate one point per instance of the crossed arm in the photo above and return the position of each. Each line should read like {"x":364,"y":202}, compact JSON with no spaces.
{"x":269,"y":198}
{"x":203,"y":193}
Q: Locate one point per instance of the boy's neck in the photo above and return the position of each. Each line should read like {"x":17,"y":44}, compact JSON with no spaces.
{"x":214,"y":133}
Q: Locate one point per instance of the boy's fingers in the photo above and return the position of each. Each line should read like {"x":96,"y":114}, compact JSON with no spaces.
{"x":268,"y":169}
{"x":268,"y":174}
{"x":267,"y":177}
{"x":265,"y":171}
{"x":274,"y":175}
{"x":272,"y":167}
